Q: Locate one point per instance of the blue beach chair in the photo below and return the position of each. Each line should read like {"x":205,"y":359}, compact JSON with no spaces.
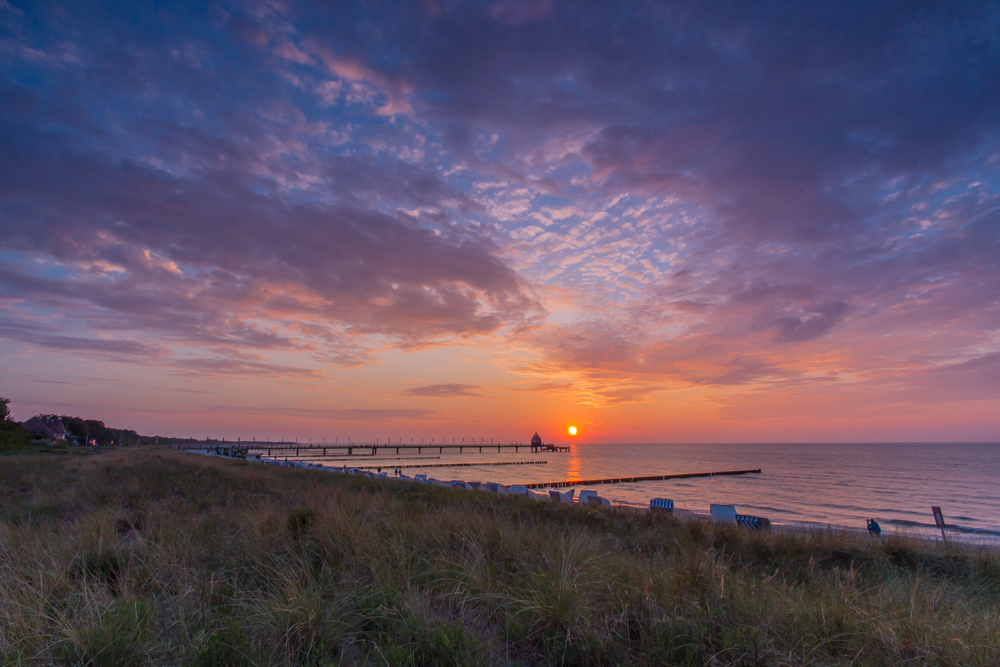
{"x":753,"y":522}
{"x":662,"y":504}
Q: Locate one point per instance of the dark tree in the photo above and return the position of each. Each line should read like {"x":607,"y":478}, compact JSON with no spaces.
{"x":12,"y":435}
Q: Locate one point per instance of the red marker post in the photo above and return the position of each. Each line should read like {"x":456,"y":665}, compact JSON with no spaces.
{"x":939,"y":520}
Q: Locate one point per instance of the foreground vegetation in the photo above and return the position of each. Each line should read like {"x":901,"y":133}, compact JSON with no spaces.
{"x":152,"y":556}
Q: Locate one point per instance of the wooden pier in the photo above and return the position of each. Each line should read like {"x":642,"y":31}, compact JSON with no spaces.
{"x":626,"y":480}
{"x":549,"y":448}
{"x":271,"y":449}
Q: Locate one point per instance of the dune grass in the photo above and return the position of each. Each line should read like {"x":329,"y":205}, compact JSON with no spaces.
{"x":152,"y":556}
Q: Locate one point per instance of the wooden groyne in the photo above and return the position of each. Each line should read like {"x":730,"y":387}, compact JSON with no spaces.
{"x":366,"y":459}
{"x":626,"y":480}
{"x":452,"y":465}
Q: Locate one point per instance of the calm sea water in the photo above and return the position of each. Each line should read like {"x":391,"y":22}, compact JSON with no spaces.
{"x":800,"y":484}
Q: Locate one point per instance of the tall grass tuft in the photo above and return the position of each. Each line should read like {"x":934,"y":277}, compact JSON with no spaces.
{"x":151,"y":556}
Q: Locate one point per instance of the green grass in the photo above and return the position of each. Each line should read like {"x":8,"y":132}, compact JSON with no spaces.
{"x":145,"y":556}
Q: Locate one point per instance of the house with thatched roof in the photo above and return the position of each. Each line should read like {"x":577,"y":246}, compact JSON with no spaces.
{"x":46,"y":427}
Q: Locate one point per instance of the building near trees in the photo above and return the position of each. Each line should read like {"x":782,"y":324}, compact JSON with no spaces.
{"x":46,"y":427}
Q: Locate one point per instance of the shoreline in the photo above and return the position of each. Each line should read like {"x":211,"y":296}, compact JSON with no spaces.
{"x":957,"y":534}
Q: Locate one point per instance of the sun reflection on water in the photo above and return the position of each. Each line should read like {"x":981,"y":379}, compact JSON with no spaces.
{"x":574,"y":467}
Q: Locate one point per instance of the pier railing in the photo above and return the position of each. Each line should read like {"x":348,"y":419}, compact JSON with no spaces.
{"x":367,"y":448}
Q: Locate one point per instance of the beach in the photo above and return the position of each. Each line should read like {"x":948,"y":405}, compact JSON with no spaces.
{"x":801,"y":485}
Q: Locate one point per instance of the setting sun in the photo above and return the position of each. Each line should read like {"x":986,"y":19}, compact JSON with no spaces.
{"x":572,"y":430}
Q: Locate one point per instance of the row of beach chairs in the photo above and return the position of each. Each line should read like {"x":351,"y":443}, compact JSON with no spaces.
{"x":720,"y":513}
{"x":725,"y":514}
{"x":586,"y":497}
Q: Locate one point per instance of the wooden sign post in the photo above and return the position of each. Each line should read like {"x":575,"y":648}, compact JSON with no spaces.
{"x":939,"y":520}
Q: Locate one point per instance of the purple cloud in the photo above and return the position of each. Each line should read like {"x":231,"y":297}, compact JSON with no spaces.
{"x":444,"y":390}
{"x":348,"y":414}
{"x":699,"y":196}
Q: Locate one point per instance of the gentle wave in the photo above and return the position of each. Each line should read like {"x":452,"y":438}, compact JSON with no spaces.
{"x":807,"y":484}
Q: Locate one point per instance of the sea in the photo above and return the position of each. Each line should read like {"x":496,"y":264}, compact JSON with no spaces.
{"x":800,"y":485}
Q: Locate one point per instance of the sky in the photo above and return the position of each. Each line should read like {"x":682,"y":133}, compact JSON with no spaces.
{"x":659,"y":222}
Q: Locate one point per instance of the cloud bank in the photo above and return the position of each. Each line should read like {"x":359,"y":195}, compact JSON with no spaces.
{"x":642,"y":198}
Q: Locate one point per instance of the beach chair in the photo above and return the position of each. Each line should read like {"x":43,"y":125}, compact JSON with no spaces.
{"x":457,"y":483}
{"x":382,"y":475}
{"x":566,"y":497}
{"x":874,"y":528}
{"x":435,"y":482}
{"x":420,"y":478}
{"x":405,"y":477}
{"x":535,"y":495}
{"x":724,"y":514}
{"x":753,"y":522}
{"x":473,"y":485}
{"x":492,"y":487}
{"x":603,"y":501}
{"x":586,"y":495}
{"x":519,"y":489}
{"x":663,"y":504}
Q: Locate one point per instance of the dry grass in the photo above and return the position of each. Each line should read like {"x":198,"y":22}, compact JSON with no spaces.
{"x":157,"y":557}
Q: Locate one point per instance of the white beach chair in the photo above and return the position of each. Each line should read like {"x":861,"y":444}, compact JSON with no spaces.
{"x":535,"y":495}
{"x":519,"y":489}
{"x":558,"y":497}
{"x":473,"y":485}
{"x":724,"y":514}
{"x":492,"y":487}
{"x":457,"y":483}
{"x":420,"y":478}
{"x":435,"y":482}
{"x":586,"y":495}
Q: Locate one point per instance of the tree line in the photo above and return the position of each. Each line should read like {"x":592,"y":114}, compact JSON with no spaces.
{"x":13,"y":436}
